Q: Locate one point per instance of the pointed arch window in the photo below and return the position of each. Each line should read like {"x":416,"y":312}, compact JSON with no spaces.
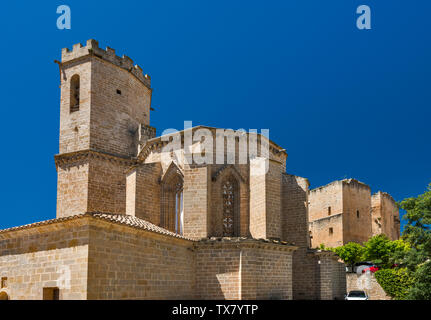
{"x":230,"y":207}
{"x":74,"y":93}
{"x":172,"y":215}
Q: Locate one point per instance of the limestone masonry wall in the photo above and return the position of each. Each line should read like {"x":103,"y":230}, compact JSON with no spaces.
{"x":218,"y":272}
{"x":344,"y":211}
{"x":123,"y":261}
{"x":197,"y":190}
{"x":385,"y":215}
{"x":327,"y":231}
{"x":144,"y":192}
{"x":45,"y":257}
{"x":331,"y":276}
{"x":72,"y":187}
{"x":75,"y":126}
{"x":295,"y":210}
{"x":243,"y":270}
{"x":257,"y":202}
{"x":356,"y":211}
{"x":325,"y":201}
{"x":266,"y":273}
{"x":115,"y":117}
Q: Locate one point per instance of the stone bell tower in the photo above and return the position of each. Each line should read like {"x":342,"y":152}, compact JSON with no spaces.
{"x":104,"y":120}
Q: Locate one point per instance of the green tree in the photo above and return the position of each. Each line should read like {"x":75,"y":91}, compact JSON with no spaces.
{"x":384,"y":252}
{"x":421,"y":289}
{"x":377,"y":250}
{"x":350,"y":253}
{"x":398,"y":250}
{"x":417,"y":232}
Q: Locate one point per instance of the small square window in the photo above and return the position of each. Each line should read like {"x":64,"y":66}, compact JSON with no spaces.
{"x":4,"y":282}
{"x":119,"y":91}
{"x":51,"y":294}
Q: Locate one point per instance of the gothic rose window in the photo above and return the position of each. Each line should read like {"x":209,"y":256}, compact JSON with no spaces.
{"x":230,"y":212}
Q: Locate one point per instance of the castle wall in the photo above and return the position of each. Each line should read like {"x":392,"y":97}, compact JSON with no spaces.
{"x":356,"y":212}
{"x":385,"y":215}
{"x":43,"y":257}
{"x":340,"y":212}
{"x":328,"y":231}
{"x":325,"y":201}
{"x":126,"y":263}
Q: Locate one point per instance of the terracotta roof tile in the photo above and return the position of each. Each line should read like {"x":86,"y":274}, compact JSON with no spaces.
{"x":127,"y":220}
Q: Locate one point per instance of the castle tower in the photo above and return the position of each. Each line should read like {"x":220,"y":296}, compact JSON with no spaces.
{"x":104,"y":120}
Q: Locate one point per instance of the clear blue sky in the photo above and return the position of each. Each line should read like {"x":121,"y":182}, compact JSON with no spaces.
{"x":343,"y":102}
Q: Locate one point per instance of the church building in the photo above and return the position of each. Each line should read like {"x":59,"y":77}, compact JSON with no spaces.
{"x":138,"y":217}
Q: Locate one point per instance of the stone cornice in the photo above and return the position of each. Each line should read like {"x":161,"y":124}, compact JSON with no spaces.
{"x":239,"y":242}
{"x":71,"y":157}
{"x":326,"y":254}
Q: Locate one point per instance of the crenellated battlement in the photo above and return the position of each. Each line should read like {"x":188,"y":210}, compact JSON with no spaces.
{"x":92,"y":48}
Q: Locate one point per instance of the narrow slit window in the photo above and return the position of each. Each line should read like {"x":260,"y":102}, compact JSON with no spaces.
{"x":329,"y":211}
{"x":331,"y":231}
{"x":357,"y":213}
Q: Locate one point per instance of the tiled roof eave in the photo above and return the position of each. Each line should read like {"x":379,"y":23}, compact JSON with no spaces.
{"x":125,"y":220}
